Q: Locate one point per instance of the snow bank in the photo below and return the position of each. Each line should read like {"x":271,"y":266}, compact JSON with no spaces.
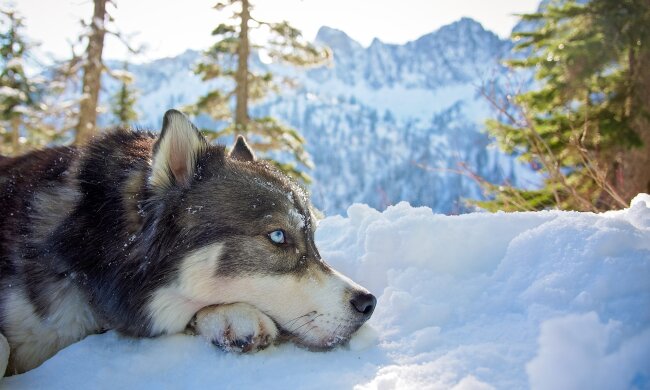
{"x":548,"y":300}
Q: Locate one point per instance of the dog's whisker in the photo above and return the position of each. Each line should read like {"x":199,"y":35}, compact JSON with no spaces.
{"x":295,"y":319}
{"x":306,"y":323}
{"x":290,"y":327}
{"x":304,"y":335}
{"x":333,"y":334}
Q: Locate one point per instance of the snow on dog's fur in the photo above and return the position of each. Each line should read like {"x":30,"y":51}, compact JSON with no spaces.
{"x":152,"y":236}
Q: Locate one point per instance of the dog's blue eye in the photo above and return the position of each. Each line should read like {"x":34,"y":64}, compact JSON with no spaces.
{"x":277,"y":236}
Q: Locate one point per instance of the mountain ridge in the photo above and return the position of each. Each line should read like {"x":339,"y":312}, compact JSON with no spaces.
{"x":384,"y":123}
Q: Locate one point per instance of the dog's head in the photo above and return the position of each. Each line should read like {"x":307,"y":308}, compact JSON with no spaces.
{"x":244,"y":232}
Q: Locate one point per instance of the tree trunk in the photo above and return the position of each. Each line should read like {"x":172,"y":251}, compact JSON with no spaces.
{"x":87,"y":125}
{"x":636,"y":161}
{"x":241,"y":77}
{"x":636,"y":177}
{"x":15,"y":135}
{"x":635,"y":170}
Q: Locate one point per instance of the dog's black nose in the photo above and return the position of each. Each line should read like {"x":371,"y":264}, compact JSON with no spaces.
{"x":364,"y":303}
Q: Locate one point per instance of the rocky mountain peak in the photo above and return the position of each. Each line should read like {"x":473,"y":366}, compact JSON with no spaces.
{"x":337,"y":40}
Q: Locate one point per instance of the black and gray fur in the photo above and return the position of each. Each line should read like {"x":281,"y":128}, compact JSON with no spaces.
{"x":95,"y":227}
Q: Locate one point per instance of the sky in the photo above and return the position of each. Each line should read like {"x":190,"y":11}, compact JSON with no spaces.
{"x":168,"y":27}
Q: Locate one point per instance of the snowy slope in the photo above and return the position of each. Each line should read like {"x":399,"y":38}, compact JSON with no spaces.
{"x":548,"y":300}
{"x":374,"y":116}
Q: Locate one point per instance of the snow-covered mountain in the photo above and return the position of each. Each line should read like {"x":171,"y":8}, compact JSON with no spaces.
{"x":384,"y":123}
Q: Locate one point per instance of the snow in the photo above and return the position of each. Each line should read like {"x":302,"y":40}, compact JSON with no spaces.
{"x":579,"y":343}
{"x":122,"y":75}
{"x":14,"y":63}
{"x":546,"y":300}
{"x":98,"y":23}
{"x":12,"y":93}
{"x":409,"y":102}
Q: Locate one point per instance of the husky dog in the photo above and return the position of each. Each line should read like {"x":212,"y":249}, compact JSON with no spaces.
{"x":151,"y":236}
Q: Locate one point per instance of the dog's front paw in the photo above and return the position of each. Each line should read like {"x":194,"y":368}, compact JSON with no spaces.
{"x":237,"y":327}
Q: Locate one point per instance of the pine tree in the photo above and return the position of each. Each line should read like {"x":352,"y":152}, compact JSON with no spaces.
{"x":586,"y":125}
{"x":123,"y":102}
{"x":21,"y":125}
{"x":229,"y":57}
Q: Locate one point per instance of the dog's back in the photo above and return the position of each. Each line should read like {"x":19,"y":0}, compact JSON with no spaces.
{"x":41,"y":194}
{"x":21,"y":178}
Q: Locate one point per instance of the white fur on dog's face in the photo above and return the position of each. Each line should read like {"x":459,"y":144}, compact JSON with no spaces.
{"x":314,"y":308}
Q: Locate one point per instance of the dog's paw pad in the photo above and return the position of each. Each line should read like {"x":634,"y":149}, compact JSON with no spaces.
{"x":236,"y":327}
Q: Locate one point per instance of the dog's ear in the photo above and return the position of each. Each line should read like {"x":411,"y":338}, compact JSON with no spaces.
{"x":241,"y":151}
{"x":176,"y":152}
